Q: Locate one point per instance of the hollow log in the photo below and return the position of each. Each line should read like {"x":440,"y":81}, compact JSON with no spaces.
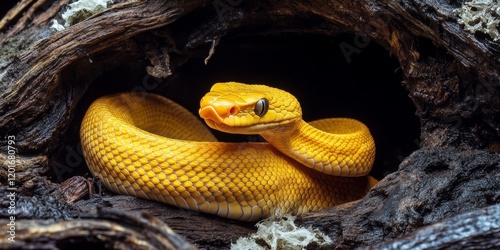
{"x":437,"y":128}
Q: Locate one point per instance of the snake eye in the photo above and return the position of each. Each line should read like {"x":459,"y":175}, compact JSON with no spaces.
{"x":261,"y":107}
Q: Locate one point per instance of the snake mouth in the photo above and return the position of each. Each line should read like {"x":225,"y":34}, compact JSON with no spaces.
{"x":219,"y":122}
{"x":249,"y":129}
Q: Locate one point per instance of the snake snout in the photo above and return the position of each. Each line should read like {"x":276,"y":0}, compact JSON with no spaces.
{"x":218,"y":111}
{"x":210,"y":113}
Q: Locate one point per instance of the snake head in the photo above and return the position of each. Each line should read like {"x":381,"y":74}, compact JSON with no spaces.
{"x":248,"y":109}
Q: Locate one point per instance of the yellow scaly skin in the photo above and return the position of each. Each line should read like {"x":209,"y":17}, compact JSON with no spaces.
{"x":150,"y":147}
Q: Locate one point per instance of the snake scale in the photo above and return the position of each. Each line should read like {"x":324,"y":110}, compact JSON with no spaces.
{"x":150,"y":147}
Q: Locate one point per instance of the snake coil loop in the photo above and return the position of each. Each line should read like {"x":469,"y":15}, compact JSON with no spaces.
{"x":150,"y":147}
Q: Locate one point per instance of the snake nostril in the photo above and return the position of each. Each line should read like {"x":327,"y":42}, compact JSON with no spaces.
{"x":233,"y":110}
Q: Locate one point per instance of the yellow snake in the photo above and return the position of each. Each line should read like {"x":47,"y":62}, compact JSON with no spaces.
{"x":150,"y":147}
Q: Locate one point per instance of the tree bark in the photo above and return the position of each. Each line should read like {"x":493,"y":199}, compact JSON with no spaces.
{"x":107,"y":230}
{"x":479,"y":229}
{"x":450,"y":74}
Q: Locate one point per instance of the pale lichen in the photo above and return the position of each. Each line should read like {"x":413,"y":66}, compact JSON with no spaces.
{"x":281,"y":234}
{"x":481,"y":16}
{"x":79,"y":11}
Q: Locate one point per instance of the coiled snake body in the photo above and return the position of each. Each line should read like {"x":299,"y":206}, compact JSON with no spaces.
{"x":150,"y":147}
